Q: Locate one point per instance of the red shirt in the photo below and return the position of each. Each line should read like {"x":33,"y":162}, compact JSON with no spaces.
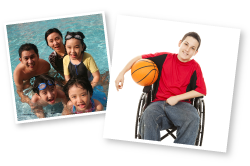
{"x":175,"y":77}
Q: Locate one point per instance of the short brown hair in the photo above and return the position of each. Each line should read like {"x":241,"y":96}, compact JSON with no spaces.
{"x":194,"y":35}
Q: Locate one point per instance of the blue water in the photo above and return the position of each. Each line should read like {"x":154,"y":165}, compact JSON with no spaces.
{"x":34,"y":32}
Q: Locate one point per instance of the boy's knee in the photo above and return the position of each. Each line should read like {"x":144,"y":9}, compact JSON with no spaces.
{"x":147,"y":116}
{"x":152,"y":117}
{"x":195,"y":118}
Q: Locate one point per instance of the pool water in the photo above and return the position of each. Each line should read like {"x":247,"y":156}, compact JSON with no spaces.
{"x":34,"y":32}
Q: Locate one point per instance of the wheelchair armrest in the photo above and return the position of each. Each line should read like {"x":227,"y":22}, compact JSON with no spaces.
{"x":197,"y":101}
{"x":198,"y":98}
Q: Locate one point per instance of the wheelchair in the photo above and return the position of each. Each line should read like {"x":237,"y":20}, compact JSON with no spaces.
{"x":148,"y":96}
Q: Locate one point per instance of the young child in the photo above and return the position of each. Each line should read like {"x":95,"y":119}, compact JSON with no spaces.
{"x":79,"y":93}
{"x":78,"y":62}
{"x":181,"y":79}
{"x":46,"y":92}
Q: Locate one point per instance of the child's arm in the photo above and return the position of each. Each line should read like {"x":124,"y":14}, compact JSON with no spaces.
{"x":66,"y":61}
{"x":36,"y":107}
{"x":67,"y":77}
{"x":61,"y":95}
{"x":69,"y":107}
{"x":34,"y":101}
{"x":96,"y":77}
{"x":98,"y":105}
{"x":120,"y":77}
{"x":188,"y":95}
{"x":92,"y":67}
{"x":66,"y":110}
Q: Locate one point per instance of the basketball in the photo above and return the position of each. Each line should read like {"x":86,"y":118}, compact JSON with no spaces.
{"x":144,"y":72}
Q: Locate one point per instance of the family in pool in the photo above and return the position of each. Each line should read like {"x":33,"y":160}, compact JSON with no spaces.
{"x":70,"y":60}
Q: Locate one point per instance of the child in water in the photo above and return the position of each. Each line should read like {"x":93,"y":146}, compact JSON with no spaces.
{"x":47,"y":92}
{"x":78,"y":62}
{"x":79,"y":93}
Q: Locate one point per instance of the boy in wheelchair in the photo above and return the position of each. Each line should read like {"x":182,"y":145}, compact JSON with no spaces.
{"x":180,"y":79}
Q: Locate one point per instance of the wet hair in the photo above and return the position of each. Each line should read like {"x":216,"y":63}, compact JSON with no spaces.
{"x":194,"y":35}
{"x":52,"y":30}
{"x":27,"y":47}
{"x":80,"y":82}
{"x":77,"y":33}
{"x":41,"y":79}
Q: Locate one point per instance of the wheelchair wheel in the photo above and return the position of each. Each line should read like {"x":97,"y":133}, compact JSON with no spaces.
{"x":200,"y":106}
{"x":141,"y":107}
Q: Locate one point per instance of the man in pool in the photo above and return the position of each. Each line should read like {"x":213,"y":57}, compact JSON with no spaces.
{"x":30,"y":65}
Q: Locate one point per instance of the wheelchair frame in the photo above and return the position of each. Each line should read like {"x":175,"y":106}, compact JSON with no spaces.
{"x":147,"y":97}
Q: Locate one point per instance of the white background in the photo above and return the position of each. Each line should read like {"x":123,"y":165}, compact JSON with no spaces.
{"x":218,"y":64}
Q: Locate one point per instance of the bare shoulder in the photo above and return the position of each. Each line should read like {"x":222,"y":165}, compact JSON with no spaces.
{"x":98,"y":105}
{"x":43,"y":61}
{"x":44,"y":66}
{"x":18,"y":68}
{"x":35,"y":98}
{"x":36,"y":103}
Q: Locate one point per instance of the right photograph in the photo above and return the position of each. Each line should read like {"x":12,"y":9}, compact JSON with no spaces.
{"x":172,"y":83}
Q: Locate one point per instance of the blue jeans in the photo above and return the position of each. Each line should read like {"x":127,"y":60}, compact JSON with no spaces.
{"x":161,"y":116}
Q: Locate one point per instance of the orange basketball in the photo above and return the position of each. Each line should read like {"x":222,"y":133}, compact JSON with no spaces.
{"x":144,"y":72}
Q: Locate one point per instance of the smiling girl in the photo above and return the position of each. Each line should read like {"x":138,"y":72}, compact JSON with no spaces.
{"x":79,"y":93}
{"x":78,"y":62}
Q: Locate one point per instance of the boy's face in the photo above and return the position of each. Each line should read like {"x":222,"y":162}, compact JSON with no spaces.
{"x":29,"y":59}
{"x":55,"y":41}
{"x":74,"y":48}
{"x":188,"y":48}
{"x":80,"y":98}
{"x":49,"y":94}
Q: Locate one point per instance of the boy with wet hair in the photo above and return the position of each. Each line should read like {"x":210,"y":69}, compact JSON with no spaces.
{"x":30,"y":65}
{"x":47,"y":92}
{"x":179,"y":81}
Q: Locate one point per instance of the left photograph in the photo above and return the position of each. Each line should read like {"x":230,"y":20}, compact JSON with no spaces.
{"x":59,"y":67}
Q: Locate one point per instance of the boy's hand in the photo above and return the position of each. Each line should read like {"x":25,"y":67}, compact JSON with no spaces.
{"x":172,"y":100}
{"x":32,"y":105}
{"x":119,"y":79}
{"x":66,"y":111}
{"x":39,"y":112}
